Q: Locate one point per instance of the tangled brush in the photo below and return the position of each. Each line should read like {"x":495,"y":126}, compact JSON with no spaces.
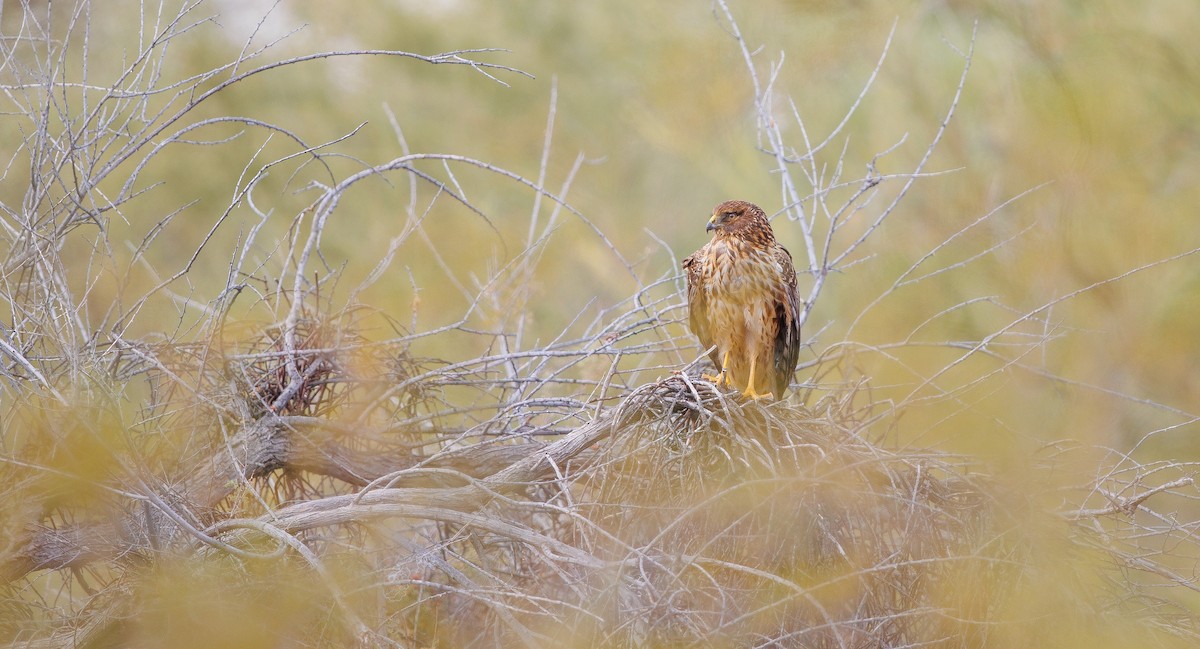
{"x":708,"y":520}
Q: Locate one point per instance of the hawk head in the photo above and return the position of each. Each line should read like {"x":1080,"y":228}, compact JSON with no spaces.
{"x":736,"y":218}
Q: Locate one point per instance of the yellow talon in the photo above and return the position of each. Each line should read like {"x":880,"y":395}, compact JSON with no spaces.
{"x":722,"y":377}
{"x":754,"y":396}
{"x":750,"y":393}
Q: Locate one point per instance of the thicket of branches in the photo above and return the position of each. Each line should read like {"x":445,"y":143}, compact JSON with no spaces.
{"x":257,"y":453}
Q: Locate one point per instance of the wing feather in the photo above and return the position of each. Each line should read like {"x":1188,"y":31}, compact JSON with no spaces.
{"x":697,"y":304}
{"x":787,"y":323}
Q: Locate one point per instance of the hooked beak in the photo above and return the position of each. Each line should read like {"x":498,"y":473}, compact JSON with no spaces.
{"x":712,"y":225}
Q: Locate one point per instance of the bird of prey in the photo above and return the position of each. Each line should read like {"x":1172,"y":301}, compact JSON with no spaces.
{"x":742,"y":302}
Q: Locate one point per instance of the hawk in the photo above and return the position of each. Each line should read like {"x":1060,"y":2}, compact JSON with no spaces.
{"x":742,"y":302}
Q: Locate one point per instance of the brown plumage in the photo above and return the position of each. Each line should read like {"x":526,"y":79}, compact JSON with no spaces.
{"x":742,"y":300}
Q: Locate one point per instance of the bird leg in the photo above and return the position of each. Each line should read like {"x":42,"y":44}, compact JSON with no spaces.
{"x":722,"y":377}
{"x":750,"y":393}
